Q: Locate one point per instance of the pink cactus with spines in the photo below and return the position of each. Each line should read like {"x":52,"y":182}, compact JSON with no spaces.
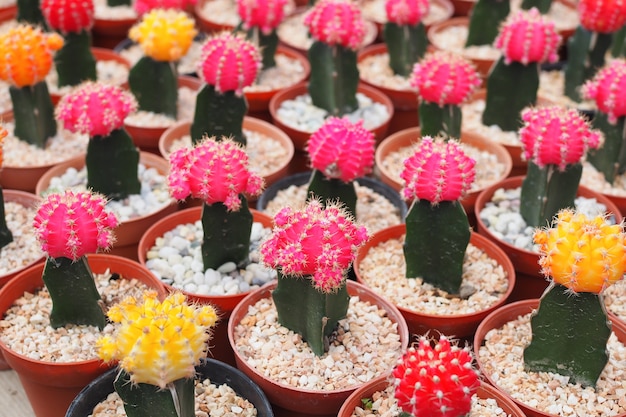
{"x":95,"y":108}
{"x":213,"y":171}
{"x":602,"y":16}
{"x":336,"y":22}
{"x":69,"y":16}
{"x":229,"y":62}
{"x":315,"y":241}
{"x":437,"y":380}
{"x":437,"y":171}
{"x":406,"y":12}
{"x":264,"y":14}
{"x":556,"y":136}
{"x":606,"y":89}
{"x":528,"y":36}
{"x":342,"y":149}
{"x":73,"y":224}
{"x":144,"y":6}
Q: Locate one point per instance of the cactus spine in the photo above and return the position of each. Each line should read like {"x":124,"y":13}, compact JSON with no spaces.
{"x":260,"y":18}
{"x":487,"y":15}
{"x":405,"y":34}
{"x":6,"y":236}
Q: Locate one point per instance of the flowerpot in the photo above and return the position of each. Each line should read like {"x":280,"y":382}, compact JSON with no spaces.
{"x":463,"y":7}
{"x":530,"y":283}
{"x":319,"y":402}
{"x":459,"y":325}
{"x":219,"y":373}
{"x":300,"y":137}
{"x":214,"y":16}
{"x":108,"y":32}
{"x":128,"y":232}
{"x":8,"y":12}
{"x":51,"y":386}
{"x":511,"y":312}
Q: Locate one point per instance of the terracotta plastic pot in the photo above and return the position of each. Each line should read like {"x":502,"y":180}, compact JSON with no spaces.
{"x":109,"y":32}
{"x":206,"y":24}
{"x":50,"y":387}
{"x":8,"y":13}
{"x":463,"y":7}
{"x":299,"y":399}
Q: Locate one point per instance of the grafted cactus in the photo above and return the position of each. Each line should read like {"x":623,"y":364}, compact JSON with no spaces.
{"x":229,"y":63}
{"x":443,"y":81}
{"x":312,"y":249}
{"x":485,"y":20}
{"x":436,"y":176}
{"x":260,"y":18}
{"x":340,"y":152}
{"x":6,"y":236}
{"x":68,"y":227}
{"x":112,"y":159}
{"x":405,"y":34}
{"x":526,"y":39}
{"x":583,"y":256}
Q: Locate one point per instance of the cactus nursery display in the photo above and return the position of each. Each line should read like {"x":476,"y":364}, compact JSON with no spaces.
{"x":260,"y":18}
{"x":405,"y":34}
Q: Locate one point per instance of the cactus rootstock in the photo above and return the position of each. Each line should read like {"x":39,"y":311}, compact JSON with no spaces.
{"x":69,"y":16}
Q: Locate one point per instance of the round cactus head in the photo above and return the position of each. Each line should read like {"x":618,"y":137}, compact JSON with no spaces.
{"x":213,"y":171}
{"x":158,"y":342}
{"x":342,"y":149}
{"x":26,"y":55}
{"x":583,"y":254}
{"x":602,"y":16}
{"x":95,"y":109}
{"x":556,"y":136}
{"x":69,"y":16}
{"x":144,"y":6}
{"x":164,"y":35}
{"x":437,"y":171}
{"x":263,"y":14}
{"x":528,"y":36}
{"x":229,"y":63}
{"x":336,"y":22}
{"x":445,"y":78}
{"x":73,"y":224}
{"x":436,"y":380}
{"x":606,"y":89}
{"x":315,"y":241}
{"x":406,"y":12}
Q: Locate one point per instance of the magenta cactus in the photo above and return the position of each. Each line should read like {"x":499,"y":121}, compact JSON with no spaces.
{"x":602,"y":16}
{"x":69,"y":16}
{"x":336,"y":22}
{"x":144,"y":6}
{"x":263,"y":14}
{"x":437,"y":380}
{"x":406,"y":12}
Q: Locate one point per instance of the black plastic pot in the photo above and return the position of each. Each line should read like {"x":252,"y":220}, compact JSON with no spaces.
{"x":218,"y":372}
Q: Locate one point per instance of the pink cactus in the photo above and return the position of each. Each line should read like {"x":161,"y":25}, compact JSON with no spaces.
{"x":436,"y":381}
{"x":144,"y":6}
{"x":229,"y":63}
{"x":336,"y":22}
{"x":602,"y":16}
{"x":341,"y":149}
{"x":264,"y":14}
{"x":607,"y":88}
{"x":528,"y":36}
{"x":215,"y":172}
{"x":314,"y":241}
{"x":69,"y":16}
{"x":71,"y":225}
{"x":445,"y":78}
{"x":556,"y":136}
{"x":95,"y":108}
{"x":437,"y":171}
{"x":406,"y":12}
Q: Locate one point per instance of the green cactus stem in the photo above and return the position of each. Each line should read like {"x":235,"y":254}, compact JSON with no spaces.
{"x":585,"y":55}
{"x":406,"y":45}
{"x":115,"y":3}
{"x":34,"y":114}
{"x":28,"y":11}
{"x":332,"y":189}
{"x":542,"y":5}
{"x":545,"y":191}
{"x":267,"y":45}
{"x":308,"y":311}
{"x":74,"y":61}
{"x":617,"y":45}
{"x":435,"y":243}
{"x":505,"y":99}
{"x":6,"y":236}
{"x":610,"y":159}
{"x":436,"y":120}
{"x":570,"y":333}
{"x":219,"y":115}
{"x":75,"y":298}
{"x":485,"y":21}
{"x":112,"y":165}
{"x":334,"y":78}
{"x":155,"y":86}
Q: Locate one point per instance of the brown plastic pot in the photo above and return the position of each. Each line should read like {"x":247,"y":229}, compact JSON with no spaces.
{"x":8,"y":13}
{"x":109,"y":32}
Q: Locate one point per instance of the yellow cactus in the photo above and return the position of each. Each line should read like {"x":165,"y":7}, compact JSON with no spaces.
{"x":158,"y":342}
{"x":26,"y":55}
{"x":164,"y":35}
{"x":583,"y":254}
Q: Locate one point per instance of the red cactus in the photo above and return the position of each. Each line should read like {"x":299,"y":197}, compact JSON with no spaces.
{"x":144,"y":6}
{"x":336,"y":22}
{"x":215,"y":172}
{"x":528,"y":36}
{"x":264,"y":14}
{"x":95,"y":108}
{"x":406,"y":12}
{"x":607,"y":87}
{"x":445,"y":78}
{"x":437,"y":171}
{"x":68,"y":16}
{"x":556,"y":136}
{"x":341,"y":149}
{"x":436,"y":381}
{"x":602,"y":16}
{"x":314,"y":241}
{"x":71,"y":225}
{"x":229,"y":62}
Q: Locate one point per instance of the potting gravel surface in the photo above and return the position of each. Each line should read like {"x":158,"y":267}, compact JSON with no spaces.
{"x":103,"y":11}
{"x":185,"y":105}
{"x":25,"y":248}
{"x":472,"y":122}
{"x":453,"y":39}
{"x":108,"y":72}
{"x":375,"y":70}
{"x":374,"y":10}
{"x":594,"y":180}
